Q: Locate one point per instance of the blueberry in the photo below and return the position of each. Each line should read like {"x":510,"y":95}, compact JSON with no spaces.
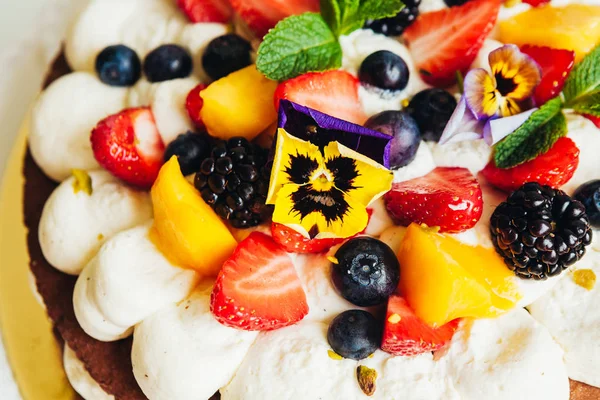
{"x":191,"y":149}
{"x":395,"y":26}
{"x":354,"y":334}
{"x":453,"y":3}
{"x":385,"y":70}
{"x":367,"y":271}
{"x":432,"y":109}
{"x":167,"y":62}
{"x":118,"y":66}
{"x":226,"y":54}
{"x":589,"y":195}
{"x":406,"y":137}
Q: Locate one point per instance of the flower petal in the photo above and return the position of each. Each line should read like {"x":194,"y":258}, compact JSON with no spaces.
{"x":480,"y":93}
{"x":462,"y":126}
{"x":497,"y":129}
{"x":516,"y":74}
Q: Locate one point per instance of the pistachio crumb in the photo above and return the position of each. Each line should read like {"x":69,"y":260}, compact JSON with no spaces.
{"x":333,"y":259}
{"x":100,"y":237}
{"x":333,"y":355}
{"x":586,"y":278}
{"x":394,"y":319}
{"x":367,"y":378}
{"x":82,"y":182}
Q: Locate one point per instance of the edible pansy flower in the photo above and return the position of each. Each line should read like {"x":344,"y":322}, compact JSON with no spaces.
{"x":323,"y":191}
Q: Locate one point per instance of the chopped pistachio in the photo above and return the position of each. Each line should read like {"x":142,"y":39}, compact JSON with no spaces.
{"x":586,"y":278}
{"x":82,"y":182}
{"x":333,"y":355}
{"x":394,"y":319}
{"x":333,"y":259}
{"x":367,"y":378}
{"x":100,"y":237}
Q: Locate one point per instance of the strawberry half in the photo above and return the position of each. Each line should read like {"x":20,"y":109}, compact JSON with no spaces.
{"x":553,"y":168}
{"x":294,"y":242}
{"x":333,"y":92}
{"x":129,"y":146}
{"x":405,"y":334}
{"x":206,"y":10}
{"x":194,"y":103}
{"x":258,"y":288}
{"x":446,"y":197}
{"x":445,"y":41}
{"x":594,"y":119}
{"x":555,"y":64}
{"x":536,"y":3}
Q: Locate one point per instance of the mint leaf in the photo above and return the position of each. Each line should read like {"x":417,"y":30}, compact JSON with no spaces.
{"x":584,"y":80}
{"x":588,"y":105}
{"x":332,"y":14}
{"x":536,"y":136}
{"x":377,"y":9}
{"x":346,"y":16}
{"x":298,"y":44}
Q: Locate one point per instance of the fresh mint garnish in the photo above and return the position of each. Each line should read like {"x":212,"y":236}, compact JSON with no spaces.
{"x":582,"y":88}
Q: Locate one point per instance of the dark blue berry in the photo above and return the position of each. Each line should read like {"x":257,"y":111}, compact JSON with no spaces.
{"x":226,"y":54}
{"x":406,"y":137}
{"x":432,"y":109}
{"x":191,"y":149}
{"x":395,"y":26}
{"x":354,"y":334}
{"x":453,"y":3}
{"x":589,"y":195}
{"x":385,"y":70}
{"x":167,"y":62}
{"x":118,"y":66}
{"x":367,"y":271}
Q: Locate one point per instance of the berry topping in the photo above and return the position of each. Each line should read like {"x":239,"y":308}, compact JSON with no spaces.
{"x":190,"y":148}
{"x":553,"y":168}
{"x":594,"y":119}
{"x":129,"y":146}
{"x":446,"y":197}
{"x":118,"y":66}
{"x":295,"y":242}
{"x":333,"y":92}
{"x":540,"y":231}
{"x":258,"y":288}
{"x":404,"y":334}
{"x":454,"y":3}
{"x":448,"y":40}
{"x":167,"y":62}
{"x":193,"y":105}
{"x":395,"y":26}
{"x":589,"y":195}
{"x":432,"y":109}
{"x":384,"y":70}
{"x":206,"y":10}
{"x":536,"y":3}
{"x":354,"y":334}
{"x":366,"y":271}
{"x":226,"y":54}
{"x":556,"y":65}
{"x":406,"y":137}
{"x":234,"y":181}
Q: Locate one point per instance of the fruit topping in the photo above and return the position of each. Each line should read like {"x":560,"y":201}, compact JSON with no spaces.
{"x":432,"y":109}
{"x":354,"y":334}
{"x":193,"y":105}
{"x":166,"y":62}
{"x":333,"y":92}
{"x":445,"y":41}
{"x":555,"y":64}
{"x":594,"y":119}
{"x":589,"y":195}
{"x":129,"y":146}
{"x":118,"y":65}
{"x":395,"y":26}
{"x":454,"y":3}
{"x":295,"y":242}
{"x":536,"y":3}
{"x":190,"y":148}
{"x":206,"y":10}
{"x":406,"y":137}
{"x":540,"y":231}
{"x":226,"y":54}
{"x":241,"y":104}
{"x":234,"y":180}
{"x":258,"y":288}
{"x":405,"y":334}
{"x":446,"y":197}
{"x":384,"y":70}
{"x":367,"y":379}
{"x":443,"y":279}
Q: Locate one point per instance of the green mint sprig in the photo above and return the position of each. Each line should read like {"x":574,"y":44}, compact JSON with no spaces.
{"x":582,"y":88}
{"x":309,"y":42}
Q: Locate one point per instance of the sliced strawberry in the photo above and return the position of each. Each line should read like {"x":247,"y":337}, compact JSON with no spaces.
{"x":194,"y":103}
{"x":536,"y":3}
{"x":129,"y":146}
{"x":258,"y":288}
{"x":294,"y":242}
{"x":332,"y":92}
{"x":206,"y":10}
{"x":555,"y":64}
{"x":445,"y":41}
{"x":405,"y":334}
{"x":594,"y":119}
{"x":446,"y":197}
{"x":554,"y":168}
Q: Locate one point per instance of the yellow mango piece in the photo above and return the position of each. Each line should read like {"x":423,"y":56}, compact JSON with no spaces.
{"x":186,"y":230}
{"x":572,"y":27}
{"x":240,"y":104}
{"x":443,"y":279}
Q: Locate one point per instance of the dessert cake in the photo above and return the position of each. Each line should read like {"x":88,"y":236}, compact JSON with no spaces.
{"x":319,"y":200}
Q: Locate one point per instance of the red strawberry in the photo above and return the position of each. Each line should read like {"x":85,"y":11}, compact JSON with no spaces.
{"x":556,"y":65}
{"x":194,"y":104}
{"x":445,"y":41}
{"x":405,"y":334}
{"x":536,"y":3}
{"x":206,"y":10}
{"x":446,"y":197}
{"x":258,"y":288}
{"x":129,"y":146}
{"x":594,"y":119}
{"x":332,"y":92}
{"x":294,"y":242}
{"x":554,"y":168}
{"x":262,"y":15}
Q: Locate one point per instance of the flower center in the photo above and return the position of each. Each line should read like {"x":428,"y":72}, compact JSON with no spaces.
{"x":322,"y":181}
{"x":505,"y":85}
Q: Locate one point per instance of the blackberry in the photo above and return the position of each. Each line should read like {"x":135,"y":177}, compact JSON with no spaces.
{"x":234,"y":181}
{"x":540,"y":231}
{"x":395,"y":26}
